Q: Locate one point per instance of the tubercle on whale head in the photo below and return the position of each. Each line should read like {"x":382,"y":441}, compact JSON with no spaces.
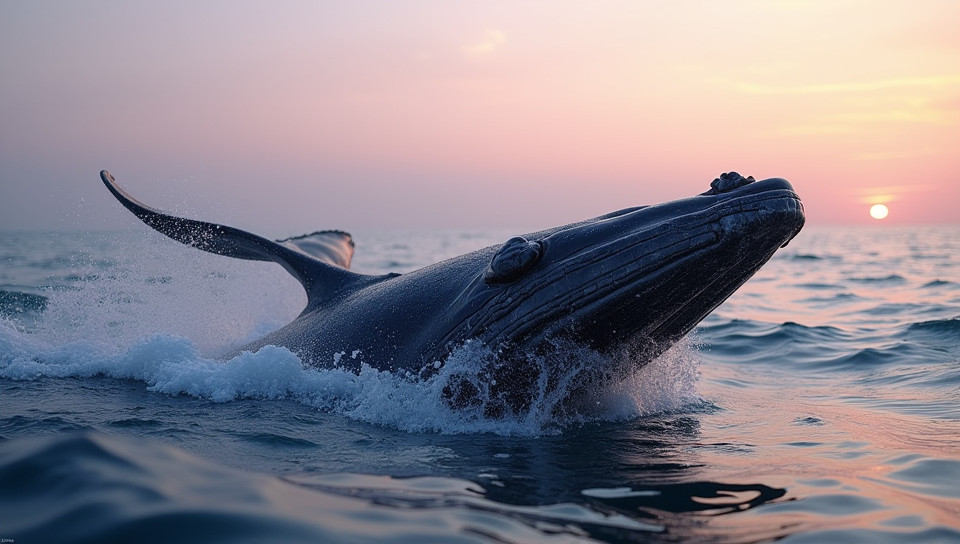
{"x":727,"y":182}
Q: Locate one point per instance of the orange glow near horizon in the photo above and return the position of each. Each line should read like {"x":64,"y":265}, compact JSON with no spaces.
{"x":575,"y":109}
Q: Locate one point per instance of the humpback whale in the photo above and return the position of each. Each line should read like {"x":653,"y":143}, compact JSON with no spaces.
{"x":627,"y":285}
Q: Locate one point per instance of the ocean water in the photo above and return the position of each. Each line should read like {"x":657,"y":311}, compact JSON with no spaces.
{"x":820,"y":403}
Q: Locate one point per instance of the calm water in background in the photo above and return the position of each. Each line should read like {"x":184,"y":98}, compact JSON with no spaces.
{"x":820,"y":403}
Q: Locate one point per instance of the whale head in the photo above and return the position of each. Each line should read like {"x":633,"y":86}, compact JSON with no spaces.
{"x":630,"y":283}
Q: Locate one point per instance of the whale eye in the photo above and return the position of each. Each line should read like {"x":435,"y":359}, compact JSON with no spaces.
{"x":517,"y":256}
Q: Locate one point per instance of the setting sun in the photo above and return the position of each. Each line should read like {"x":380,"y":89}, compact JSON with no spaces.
{"x":879,"y":211}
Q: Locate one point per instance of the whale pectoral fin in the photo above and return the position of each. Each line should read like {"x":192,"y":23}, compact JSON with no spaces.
{"x":330,"y":246}
{"x":320,"y":270}
{"x":219,"y":239}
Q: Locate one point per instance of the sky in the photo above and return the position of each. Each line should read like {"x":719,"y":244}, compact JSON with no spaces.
{"x":284,"y":117}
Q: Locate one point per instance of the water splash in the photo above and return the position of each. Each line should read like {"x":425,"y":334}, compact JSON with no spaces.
{"x":174,"y":366}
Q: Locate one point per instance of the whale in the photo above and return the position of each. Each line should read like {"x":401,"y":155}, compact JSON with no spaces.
{"x":625,"y":286}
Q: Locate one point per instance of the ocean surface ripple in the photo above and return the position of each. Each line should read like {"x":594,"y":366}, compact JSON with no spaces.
{"x":819,"y":403}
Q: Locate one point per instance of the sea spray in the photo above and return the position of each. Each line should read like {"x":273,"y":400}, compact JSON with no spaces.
{"x":158,"y":288}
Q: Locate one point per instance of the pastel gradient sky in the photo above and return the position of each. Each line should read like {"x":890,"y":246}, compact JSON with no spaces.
{"x":289,"y":116}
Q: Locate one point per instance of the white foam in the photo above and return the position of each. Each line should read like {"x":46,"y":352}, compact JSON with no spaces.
{"x":174,"y":366}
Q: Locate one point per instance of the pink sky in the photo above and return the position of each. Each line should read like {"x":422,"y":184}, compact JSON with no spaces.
{"x":286,"y":117}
